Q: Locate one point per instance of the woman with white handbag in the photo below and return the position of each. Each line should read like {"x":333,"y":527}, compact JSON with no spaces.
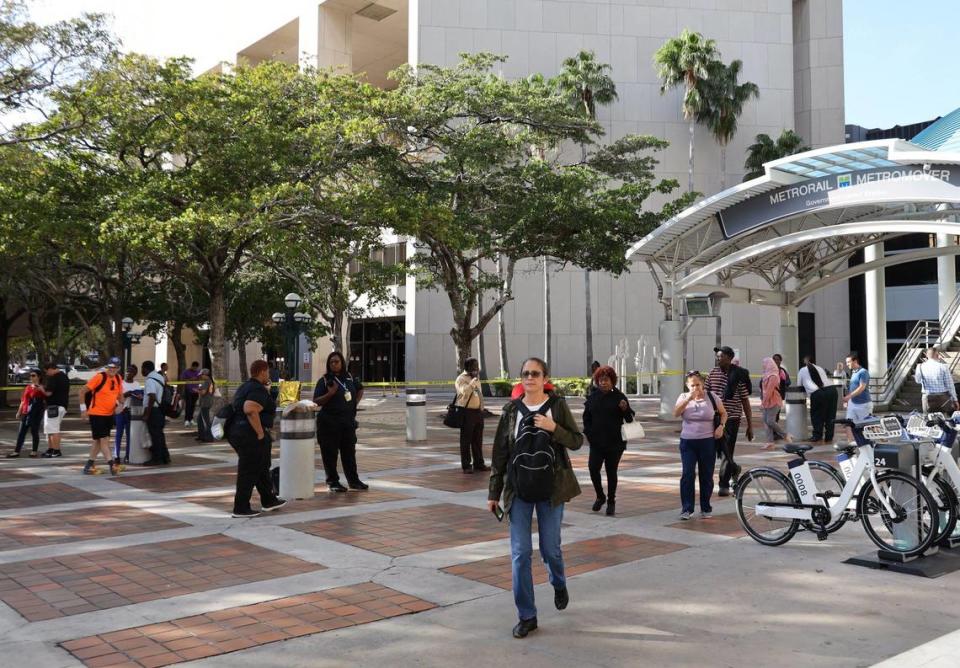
{"x":604,"y":416}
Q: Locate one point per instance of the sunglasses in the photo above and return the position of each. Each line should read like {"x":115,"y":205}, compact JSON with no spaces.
{"x":693,"y":373}
{"x":531,"y":374}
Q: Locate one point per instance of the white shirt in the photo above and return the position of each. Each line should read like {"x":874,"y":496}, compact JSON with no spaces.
{"x":803,"y":377}
{"x":130,"y":387}
{"x":532,"y":409}
{"x":153,"y":385}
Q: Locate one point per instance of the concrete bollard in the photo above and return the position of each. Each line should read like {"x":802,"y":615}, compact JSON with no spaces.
{"x":416,"y":415}
{"x":139,"y":437}
{"x":297,"y":452}
{"x":796,"y":409}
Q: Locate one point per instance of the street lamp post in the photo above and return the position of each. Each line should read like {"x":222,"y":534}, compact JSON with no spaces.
{"x":293,"y":323}
{"x":128,"y":340}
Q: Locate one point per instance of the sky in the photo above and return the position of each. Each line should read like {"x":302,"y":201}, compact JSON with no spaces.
{"x":900,"y":66}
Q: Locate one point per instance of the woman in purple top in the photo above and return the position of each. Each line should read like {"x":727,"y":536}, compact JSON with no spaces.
{"x":700,"y":412}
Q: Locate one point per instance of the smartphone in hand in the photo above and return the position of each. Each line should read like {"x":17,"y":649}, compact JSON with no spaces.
{"x":498,"y":513}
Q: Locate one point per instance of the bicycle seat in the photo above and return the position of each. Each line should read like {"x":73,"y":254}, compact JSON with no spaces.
{"x":797,"y":448}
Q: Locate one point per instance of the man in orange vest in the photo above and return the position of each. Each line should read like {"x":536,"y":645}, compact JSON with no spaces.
{"x":100,"y":399}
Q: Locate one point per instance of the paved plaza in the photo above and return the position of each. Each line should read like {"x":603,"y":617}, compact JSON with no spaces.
{"x":148,"y":569}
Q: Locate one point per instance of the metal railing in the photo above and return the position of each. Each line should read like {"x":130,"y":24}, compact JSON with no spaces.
{"x":925,"y":333}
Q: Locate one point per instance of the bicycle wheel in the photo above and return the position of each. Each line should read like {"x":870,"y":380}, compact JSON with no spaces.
{"x":912,"y":526}
{"x":760,"y":486}
{"x":946,"y":500}
{"x":828,"y":479}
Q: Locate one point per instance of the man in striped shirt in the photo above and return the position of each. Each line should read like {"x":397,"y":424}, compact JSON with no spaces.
{"x":730,"y":384}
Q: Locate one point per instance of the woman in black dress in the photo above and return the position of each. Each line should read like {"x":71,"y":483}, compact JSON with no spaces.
{"x":604,"y":413}
{"x":338,"y":393}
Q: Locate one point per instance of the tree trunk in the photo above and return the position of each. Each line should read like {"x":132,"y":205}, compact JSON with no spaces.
{"x":179,"y":347}
{"x":242,"y":357}
{"x":336,"y":332}
{"x":501,"y":328}
{"x":482,"y":354}
{"x":218,"y":342}
{"x":690,"y":157}
{"x":723,"y":167}
{"x":547,"y":325}
{"x":36,"y":335}
{"x":589,"y":309}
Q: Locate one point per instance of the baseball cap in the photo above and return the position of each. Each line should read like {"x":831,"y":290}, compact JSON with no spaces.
{"x":726,"y":350}
{"x":114,"y":362}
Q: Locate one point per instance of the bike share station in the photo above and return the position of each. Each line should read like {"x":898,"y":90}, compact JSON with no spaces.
{"x":777,"y":241}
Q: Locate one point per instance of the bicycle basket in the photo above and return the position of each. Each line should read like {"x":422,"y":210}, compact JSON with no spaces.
{"x":917,"y":427}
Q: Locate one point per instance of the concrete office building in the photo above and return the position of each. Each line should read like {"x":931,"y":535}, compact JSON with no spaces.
{"x":792,"y":49}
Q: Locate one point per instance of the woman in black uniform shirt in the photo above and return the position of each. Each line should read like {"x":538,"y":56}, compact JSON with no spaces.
{"x":254,"y":411}
{"x":338,"y":393}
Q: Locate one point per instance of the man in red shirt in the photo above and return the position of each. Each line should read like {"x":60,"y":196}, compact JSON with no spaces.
{"x":730,"y":384}
{"x":100,"y":399}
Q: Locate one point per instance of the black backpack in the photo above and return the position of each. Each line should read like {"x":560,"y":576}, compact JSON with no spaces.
{"x":90,"y":394}
{"x":531,"y":467}
{"x":169,"y":400}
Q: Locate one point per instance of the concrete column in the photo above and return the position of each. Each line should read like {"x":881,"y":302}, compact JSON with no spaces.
{"x":409,"y":299}
{"x":946,"y":275}
{"x":671,"y":350}
{"x":875,"y":288}
{"x":787,"y":343}
{"x":326,"y":36}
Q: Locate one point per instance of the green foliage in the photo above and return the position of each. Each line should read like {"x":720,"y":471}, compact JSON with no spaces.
{"x":467,"y":174}
{"x":36,"y":60}
{"x":724,"y":98}
{"x":684,"y":61}
{"x":766,"y":149}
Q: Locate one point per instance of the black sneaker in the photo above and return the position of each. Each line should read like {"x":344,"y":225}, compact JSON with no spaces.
{"x":52,"y":453}
{"x":276,"y":505}
{"x":611,"y":508}
{"x":724,"y":491}
{"x":246,"y":513}
{"x":359,"y":485}
{"x":561,"y":597}
{"x":524,"y":626}
{"x":337,"y":487}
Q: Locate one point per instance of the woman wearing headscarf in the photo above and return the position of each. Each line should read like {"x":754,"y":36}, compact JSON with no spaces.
{"x":771,"y":401}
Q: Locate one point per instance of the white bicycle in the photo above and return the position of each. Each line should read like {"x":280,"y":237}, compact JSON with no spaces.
{"x":898,"y":512}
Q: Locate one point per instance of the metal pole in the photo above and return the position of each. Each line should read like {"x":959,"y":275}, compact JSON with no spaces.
{"x":288,"y":334}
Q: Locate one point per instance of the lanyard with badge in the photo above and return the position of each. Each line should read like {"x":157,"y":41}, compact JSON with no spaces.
{"x":347,"y":395}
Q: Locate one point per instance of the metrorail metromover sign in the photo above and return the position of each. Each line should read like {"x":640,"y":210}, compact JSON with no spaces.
{"x":901,"y":183}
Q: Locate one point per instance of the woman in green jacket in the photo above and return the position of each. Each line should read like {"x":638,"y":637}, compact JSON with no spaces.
{"x":536,"y":418}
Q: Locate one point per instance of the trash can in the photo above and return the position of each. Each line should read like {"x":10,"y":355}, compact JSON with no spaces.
{"x":297,"y":453}
{"x":416,"y":415}
{"x":796,"y":408}
{"x":139,"y":437}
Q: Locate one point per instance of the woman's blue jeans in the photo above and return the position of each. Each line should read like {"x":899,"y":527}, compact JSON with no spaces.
{"x":549,"y":519}
{"x":699,"y":455}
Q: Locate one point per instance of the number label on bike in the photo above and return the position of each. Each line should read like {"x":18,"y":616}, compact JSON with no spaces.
{"x":886,"y":457}
{"x":846,"y":465}
{"x":803,"y":480}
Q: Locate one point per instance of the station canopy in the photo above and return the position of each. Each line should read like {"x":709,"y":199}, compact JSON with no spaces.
{"x":792,"y":231}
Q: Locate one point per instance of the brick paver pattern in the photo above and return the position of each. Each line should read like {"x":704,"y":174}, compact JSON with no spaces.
{"x":233,"y":629}
{"x":369,"y":461}
{"x":634,"y":498}
{"x":449,"y":480}
{"x":11,"y":475}
{"x":410,"y":531}
{"x":76,"y":525}
{"x":46,"y":494}
{"x":722,"y":525}
{"x":61,"y":586}
{"x":182,"y":481}
{"x":580,"y":557}
{"x":324,"y":500}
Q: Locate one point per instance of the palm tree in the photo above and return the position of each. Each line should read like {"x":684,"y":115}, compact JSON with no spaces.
{"x":766,"y":149}
{"x":725,"y":99}
{"x":685,"y":61}
{"x":586,"y":83}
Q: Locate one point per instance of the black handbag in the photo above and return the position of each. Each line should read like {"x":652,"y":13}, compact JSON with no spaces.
{"x":716,"y":413}
{"x":455,"y":414}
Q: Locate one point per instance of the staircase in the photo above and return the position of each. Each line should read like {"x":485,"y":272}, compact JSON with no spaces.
{"x":908,"y":397}
{"x":896,"y":390}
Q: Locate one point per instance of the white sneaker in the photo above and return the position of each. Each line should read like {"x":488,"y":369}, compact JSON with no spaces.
{"x":706,"y":516}
{"x":685,"y":515}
